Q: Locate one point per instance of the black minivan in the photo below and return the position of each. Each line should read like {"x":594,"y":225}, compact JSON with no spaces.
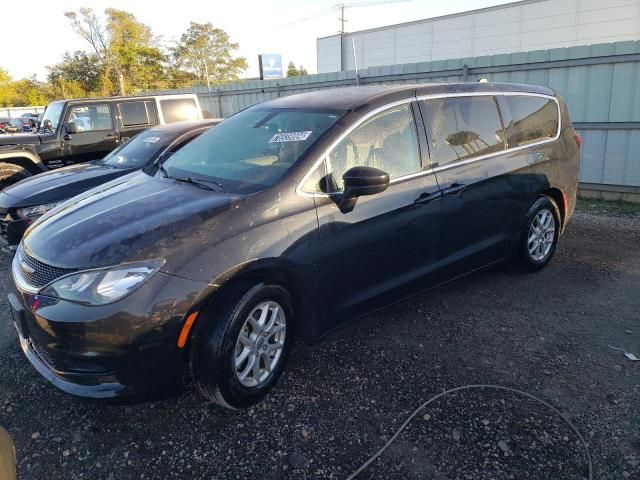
{"x":290,"y":217}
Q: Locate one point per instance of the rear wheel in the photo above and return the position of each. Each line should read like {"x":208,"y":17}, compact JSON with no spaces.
{"x":10,"y":174}
{"x":239,"y":351}
{"x":540,"y":235}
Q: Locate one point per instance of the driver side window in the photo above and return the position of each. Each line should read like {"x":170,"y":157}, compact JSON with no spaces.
{"x":91,"y":118}
{"x":387,"y":141}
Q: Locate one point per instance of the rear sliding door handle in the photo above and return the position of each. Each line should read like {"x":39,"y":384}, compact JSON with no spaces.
{"x":454,"y":189}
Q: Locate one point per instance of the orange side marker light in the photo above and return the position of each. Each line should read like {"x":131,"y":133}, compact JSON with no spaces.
{"x":186,"y":328}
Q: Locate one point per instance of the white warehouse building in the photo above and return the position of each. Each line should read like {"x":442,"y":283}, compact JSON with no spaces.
{"x":514,"y":27}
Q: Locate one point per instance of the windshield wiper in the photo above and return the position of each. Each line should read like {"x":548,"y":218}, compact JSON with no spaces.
{"x":206,"y":184}
{"x":198,"y":182}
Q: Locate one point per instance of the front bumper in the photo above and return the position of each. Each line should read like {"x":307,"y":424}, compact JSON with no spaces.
{"x":128,"y":348}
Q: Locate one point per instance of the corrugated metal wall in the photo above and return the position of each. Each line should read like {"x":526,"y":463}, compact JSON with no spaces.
{"x":513,"y":27}
{"x":601,"y":84}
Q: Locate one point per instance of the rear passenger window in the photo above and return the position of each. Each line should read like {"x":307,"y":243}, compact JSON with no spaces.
{"x":177,"y":109}
{"x":133,"y":113}
{"x":387,"y":141}
{"x":533,"y":119}
{"x":460,"y":128}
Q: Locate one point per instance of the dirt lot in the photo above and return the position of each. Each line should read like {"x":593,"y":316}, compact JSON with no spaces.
{"x":546,"y":334}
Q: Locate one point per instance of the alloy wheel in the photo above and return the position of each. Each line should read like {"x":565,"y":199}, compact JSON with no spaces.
{"x":260,"y":343}
{"x":541,"y":235}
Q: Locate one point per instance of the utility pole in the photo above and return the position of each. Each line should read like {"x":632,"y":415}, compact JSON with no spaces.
{"x":206,"y":72}
{"x":342,"y":18}
{"x":121,"y":83}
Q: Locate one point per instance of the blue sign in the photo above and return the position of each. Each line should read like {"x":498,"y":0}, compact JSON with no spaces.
{"x":270,"y":66}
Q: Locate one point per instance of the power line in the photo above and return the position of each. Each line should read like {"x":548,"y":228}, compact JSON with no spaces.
{"x":341,"y":8}
{"x":319,"y":13}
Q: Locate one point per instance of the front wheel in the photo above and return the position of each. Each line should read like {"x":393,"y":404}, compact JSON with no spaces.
{"x":540,"y":235}
{"x":239,"y":350}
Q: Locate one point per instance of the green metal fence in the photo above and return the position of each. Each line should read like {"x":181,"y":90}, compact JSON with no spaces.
{"x":601,"y":84}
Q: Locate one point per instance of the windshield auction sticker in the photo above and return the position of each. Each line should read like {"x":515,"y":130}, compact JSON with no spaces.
{"x":151,"y":139}
{"x":290,"y":137}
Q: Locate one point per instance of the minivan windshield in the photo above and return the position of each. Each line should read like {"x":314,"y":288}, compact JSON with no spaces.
{"x":250,"y":150}
{"x":139,"y":151}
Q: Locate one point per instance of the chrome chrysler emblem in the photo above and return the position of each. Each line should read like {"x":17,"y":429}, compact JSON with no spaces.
{"x":27,"y":268}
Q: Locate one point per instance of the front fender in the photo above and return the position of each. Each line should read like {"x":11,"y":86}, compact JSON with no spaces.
{"x":303,"y":288}
{"x":23,"y":157}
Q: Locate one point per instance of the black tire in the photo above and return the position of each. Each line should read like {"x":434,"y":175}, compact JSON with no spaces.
{"x":10,"y":174}
{"x":536,"y":261}
{"x":213,"y":347}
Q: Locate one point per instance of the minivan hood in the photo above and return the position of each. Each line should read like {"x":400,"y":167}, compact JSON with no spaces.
{"x":61,"y":184}
{"x":136,"y":217}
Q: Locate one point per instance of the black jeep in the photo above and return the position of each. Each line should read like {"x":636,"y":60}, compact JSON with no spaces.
{"x":80,"y":130}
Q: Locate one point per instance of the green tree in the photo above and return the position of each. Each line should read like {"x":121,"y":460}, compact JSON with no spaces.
{"x":126,"y":49}
{"x":31,"y":92}
{"x":292,"y":71}
{"x":7,"y":89}
{"x":134,"y":50}
{"x":78,"y":72}
{"x":89,"y":27}
{"x":22,"y":93}
{"x":207,"y":53}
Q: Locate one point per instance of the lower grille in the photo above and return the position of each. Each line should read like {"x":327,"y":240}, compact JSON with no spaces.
{"x":64,"y":364}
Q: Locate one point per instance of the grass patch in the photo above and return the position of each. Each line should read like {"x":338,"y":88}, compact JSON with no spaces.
{"x":592,"y":205}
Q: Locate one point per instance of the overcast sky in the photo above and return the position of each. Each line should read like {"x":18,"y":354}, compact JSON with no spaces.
{"x":36,"y":33}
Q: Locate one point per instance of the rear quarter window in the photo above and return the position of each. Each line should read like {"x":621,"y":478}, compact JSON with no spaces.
{"x":178,"y":109}
{"x":533,"y":119}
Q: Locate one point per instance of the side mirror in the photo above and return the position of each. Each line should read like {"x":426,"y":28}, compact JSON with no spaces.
{"x":359,"y":181}
{"x":70,"y":127}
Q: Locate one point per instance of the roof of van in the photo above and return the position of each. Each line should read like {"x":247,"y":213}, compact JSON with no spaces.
{"x":134,"y":97}
{"x":185,"y":126}
{"x":350,"y":98}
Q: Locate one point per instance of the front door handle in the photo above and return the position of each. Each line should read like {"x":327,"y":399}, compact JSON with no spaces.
{"x":427,"y":198}
{"x":454,"y":189}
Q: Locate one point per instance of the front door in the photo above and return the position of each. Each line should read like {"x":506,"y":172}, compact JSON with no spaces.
{"x":388,"y":240}
{"x":96,"y":134}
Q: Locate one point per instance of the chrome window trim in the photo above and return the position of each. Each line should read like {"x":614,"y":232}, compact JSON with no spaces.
{"x":372,"y":113}
{"x":300,"y":191}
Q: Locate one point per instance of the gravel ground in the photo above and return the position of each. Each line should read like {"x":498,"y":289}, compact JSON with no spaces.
{"x":546,"y":334}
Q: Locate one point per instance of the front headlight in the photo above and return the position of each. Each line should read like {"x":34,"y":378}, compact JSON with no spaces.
{"x":38,"y":210}
{"x":99,"y":287}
